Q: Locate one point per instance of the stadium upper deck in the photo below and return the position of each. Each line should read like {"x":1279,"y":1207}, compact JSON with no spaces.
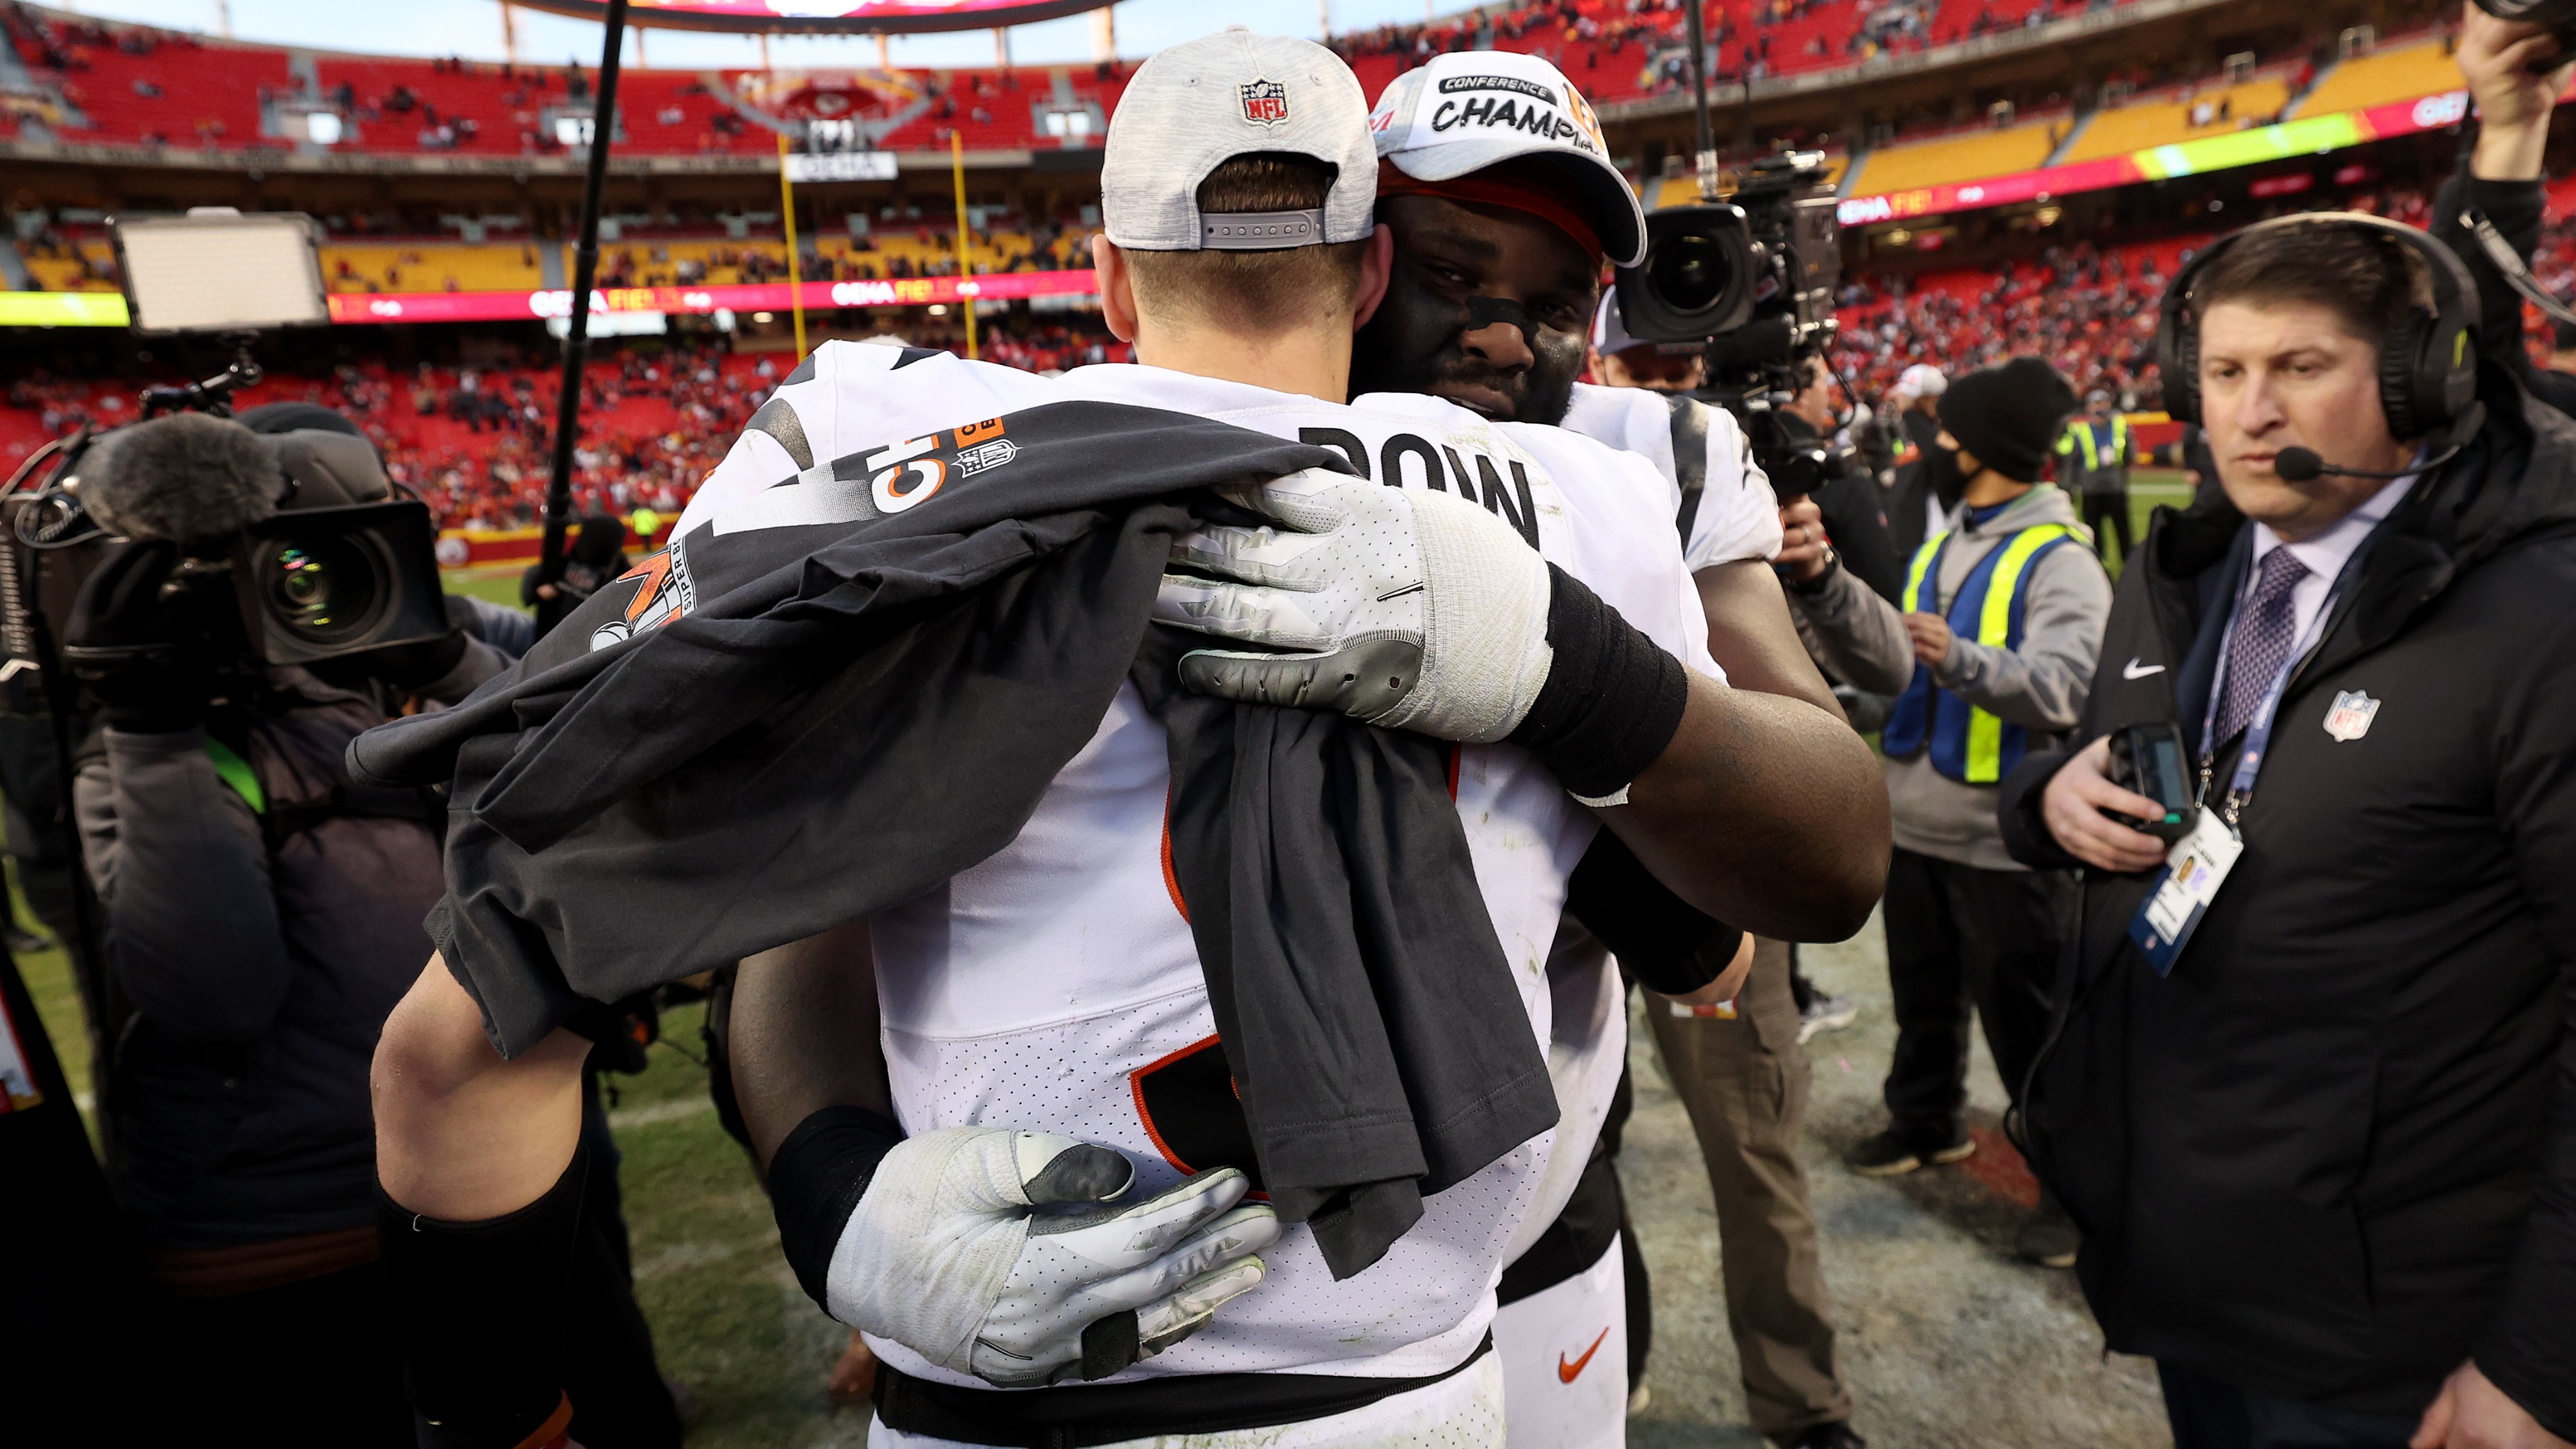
{"x":74,"y":79}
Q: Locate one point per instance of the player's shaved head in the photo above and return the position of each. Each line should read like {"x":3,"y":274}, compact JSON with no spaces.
{"x":1253,"y":293}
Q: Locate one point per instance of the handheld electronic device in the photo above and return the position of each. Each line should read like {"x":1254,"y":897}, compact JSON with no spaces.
{"x":2153,"y":760}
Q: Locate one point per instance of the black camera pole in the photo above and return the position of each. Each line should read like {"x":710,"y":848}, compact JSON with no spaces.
{"x":585,"y":267}
{"x":1706,"y":157}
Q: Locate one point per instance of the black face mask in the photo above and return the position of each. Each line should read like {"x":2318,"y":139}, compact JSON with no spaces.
{"x":1413,"y":344}
{"x":1920,"y":428}
{"x":1941,"y":470}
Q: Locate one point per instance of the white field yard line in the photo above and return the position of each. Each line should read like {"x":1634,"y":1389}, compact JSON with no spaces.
{"x":660,"y":1112}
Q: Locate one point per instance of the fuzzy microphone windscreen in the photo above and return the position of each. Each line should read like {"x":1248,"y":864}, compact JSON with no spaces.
{"x":188,"y":478}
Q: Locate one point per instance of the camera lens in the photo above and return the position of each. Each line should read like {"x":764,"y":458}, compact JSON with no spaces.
{"x":324,"y":589}
{"x":1689,"y":270}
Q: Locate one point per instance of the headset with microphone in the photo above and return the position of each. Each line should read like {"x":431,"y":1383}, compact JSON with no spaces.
{"x":2428,"y":364}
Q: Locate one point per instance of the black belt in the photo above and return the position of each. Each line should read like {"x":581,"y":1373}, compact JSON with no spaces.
{"x":1075,"y":1416}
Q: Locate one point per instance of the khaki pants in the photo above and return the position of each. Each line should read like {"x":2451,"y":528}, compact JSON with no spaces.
{"x":1745,"y":1084}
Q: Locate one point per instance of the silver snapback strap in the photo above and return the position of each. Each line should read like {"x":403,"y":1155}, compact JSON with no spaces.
{"x":1251,"y":231}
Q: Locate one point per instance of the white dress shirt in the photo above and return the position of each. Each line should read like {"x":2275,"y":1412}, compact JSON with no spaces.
{"x":2324,"y":553}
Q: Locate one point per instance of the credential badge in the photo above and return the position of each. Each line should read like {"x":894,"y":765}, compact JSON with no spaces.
{"x":1265,"y":103}
{"x":2350,"y":716}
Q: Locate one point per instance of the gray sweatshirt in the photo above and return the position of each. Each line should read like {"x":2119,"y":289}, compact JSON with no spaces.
{"x":2040,"y":686}
{"x":1856,"y":636}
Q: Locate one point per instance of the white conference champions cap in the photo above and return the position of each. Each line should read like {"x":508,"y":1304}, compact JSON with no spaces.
{"x":1195,"y":106}
{"x":1468,"y":110}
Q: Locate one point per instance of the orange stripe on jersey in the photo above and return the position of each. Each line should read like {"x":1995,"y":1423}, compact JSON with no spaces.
{"x":1456,"y":753}
{"x":1171,"y":882}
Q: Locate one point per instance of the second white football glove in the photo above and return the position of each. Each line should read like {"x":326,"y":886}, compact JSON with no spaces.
{"x":1004,"y":1255}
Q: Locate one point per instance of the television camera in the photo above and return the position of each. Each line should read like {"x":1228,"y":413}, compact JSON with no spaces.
{"x":1749,"y":270}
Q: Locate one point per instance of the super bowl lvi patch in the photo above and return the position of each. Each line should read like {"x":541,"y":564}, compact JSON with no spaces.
{"x":2350,"y":716}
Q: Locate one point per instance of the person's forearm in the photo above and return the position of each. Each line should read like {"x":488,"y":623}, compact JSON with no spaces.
{"x":1765,"y":812}
{"x":460,"y":1133}
{"x":805,"y":1035}
{"x":2510,"y":152}
{"x":1751,"y":637}
{"x":1857,"y":634}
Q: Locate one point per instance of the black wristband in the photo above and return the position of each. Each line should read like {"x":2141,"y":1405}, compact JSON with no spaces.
{"x":475,"y":1307}
{"x":1613,"y":698}
{"x":815,"y":1181}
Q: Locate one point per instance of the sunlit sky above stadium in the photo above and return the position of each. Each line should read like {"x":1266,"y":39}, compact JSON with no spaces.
{"x":472,"y":28}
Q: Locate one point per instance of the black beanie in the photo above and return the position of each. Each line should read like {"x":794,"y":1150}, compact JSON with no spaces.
{"x":2008,"y":416}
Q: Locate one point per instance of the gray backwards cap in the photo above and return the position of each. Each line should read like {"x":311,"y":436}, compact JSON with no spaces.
{"x":1198,"y":105}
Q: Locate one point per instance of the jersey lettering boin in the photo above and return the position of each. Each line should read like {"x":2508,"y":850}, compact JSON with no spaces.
{"x":1514,"y":504}
{"x":1968,"y":744}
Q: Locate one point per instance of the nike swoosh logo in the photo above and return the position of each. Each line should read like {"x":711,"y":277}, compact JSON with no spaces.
{"x":1567,"y":1373}
{"x":2133,"y":670}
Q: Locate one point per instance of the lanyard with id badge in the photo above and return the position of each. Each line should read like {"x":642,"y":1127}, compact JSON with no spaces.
{"x":2199,"y":862}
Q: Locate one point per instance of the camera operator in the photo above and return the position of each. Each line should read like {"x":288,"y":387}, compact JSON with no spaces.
{"x":597,"y":555}
{"x":1845,"y":493}
{"x":2314,"y":1106}
{"x":2514,"y":72}
{"x":261,"y":916}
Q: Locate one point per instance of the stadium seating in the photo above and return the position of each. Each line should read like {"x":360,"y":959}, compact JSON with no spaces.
{"x":133,"y":84}
{"x":2398,"y":74}
{"x":1965,"y":157}
{"x":2172,"y":116}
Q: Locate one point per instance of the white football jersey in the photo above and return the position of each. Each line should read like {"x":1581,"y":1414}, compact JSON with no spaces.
{"x":1054,"y":985}
{"x":1736,"y":516}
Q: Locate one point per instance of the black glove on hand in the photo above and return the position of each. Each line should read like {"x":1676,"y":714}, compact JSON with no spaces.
{"x":139,"y":638}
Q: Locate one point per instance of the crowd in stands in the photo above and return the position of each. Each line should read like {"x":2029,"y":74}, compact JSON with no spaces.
{"x":2089,"y":310}
{"x":475,"y":440}
{"x":133,"y":84}
{"x":1620,"y":49}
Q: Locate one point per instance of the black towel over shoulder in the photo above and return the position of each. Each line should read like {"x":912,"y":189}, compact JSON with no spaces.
{"x":841,"y":693}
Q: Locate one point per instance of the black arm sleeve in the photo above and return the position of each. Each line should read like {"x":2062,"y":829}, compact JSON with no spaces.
{"x":477,"y":1312}
{"x":816,"y":1179}
{"x":1613,"y":698}
{"x":1667,"y":944}
{"x":2017,"y":810}
{"x":2516,"y":208}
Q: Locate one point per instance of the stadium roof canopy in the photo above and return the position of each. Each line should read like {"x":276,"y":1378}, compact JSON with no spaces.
{"x":805,"y":17}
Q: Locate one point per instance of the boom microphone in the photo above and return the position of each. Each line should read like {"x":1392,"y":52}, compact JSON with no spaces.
{"x":188,"y":478}
{"x":2298,"y":465}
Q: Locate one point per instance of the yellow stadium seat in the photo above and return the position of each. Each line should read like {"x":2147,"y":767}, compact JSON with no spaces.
{"x":1958,"y":158}
{"x":2390,"y":75}
{"x":2121,"y":130}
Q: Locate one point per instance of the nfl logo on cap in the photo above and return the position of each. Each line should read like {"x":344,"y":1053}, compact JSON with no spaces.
{"x":1265,"y":103}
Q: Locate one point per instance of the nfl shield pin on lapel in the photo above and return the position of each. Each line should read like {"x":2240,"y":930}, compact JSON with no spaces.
{"x":1265,"y":103}
{"x":2350,"y":716}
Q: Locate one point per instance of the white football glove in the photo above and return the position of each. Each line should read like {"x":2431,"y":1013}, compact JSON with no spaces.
{"x":945,"y":1256}
{"x":1411,"y":609}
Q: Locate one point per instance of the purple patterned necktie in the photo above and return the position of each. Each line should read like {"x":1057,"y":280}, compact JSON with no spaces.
{"x":2266,"y":626}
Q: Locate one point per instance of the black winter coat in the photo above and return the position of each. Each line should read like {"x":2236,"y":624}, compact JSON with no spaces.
{"x":261,"y":950}
{"x":2334,"y":1153}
